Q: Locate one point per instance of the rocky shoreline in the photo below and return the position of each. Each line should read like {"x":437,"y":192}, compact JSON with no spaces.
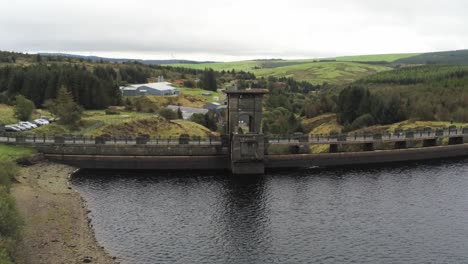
{"x":56,"y":228}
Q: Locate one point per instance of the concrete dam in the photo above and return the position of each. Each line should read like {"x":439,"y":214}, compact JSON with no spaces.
{"x":246,"y":153}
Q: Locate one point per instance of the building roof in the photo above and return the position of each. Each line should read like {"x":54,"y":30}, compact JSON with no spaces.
{"x":160,"y":86}
{"x":212,"y":106}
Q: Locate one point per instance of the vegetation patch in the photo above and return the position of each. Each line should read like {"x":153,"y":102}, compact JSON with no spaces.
{"x":329,"y":127}
{"x":155,"y":127}
{"x":13,"y":153}
{"x":10,"y":219}
{"x":310,"y":124}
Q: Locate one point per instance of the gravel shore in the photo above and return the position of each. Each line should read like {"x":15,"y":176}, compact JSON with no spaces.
{"x":56,"y":224}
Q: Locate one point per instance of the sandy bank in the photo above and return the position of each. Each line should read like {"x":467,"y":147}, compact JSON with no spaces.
{"x":56,"y":226}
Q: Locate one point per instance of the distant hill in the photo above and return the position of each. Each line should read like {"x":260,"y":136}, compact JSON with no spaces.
{"x":312,"y":71}
{"x":383,"y":58}
{"x":120,"y":60}
{"x":457,"y":57}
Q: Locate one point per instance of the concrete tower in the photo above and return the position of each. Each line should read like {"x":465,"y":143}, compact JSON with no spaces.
{"x":244,"y":127}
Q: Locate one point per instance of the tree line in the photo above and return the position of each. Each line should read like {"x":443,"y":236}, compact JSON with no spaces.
{"x":40,"y":83}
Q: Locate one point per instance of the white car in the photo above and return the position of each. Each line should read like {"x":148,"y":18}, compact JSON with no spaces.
{"x":41,"y":121}
{"x":12,"y":128}
{"x":28,"y":124}
{"x":22,"y":127}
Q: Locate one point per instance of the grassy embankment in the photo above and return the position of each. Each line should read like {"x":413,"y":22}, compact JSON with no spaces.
{"x":10,"y":219}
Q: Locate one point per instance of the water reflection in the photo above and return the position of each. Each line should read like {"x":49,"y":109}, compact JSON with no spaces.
{"x":245,"y":223}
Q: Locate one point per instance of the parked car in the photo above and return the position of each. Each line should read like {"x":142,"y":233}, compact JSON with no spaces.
{"x":48,"y":119}
{"x":11,"y":128}
{"x":22,"y":127}
{"x":41,"y":121}
{"x":28,"y":124}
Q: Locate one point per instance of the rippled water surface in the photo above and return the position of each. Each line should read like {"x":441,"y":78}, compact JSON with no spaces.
{"x":415,"y":213}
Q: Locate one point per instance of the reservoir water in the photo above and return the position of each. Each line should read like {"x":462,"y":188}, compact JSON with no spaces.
{"x":404,"y":213}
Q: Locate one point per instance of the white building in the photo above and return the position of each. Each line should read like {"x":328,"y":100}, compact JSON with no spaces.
{"x":158,"y":89}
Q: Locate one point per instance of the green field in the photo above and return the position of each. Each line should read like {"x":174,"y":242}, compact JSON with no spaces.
{"x":247,"y":66}
{"x":321,"y":72}
{"x":301,"y":70}
{"x":379,"y":57}
{"x":199,"y":92}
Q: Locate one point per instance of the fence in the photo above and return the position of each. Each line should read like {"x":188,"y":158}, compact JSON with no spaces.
{"x":223,"y":139}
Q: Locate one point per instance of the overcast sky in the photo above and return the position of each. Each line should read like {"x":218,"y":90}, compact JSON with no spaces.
{"x":232,"y":30}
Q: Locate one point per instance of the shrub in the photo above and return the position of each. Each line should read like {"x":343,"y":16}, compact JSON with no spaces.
{"x":8,"y":170}
{"x":168,"y":114}
{"x":362,"y":121}
{"x":10,"y":219}
{"x":112,"y":112}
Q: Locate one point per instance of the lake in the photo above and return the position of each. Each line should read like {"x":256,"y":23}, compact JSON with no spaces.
{"x":403,"y":213}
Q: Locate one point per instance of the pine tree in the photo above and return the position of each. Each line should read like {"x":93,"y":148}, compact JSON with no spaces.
{"x":68,"y":112}
{"x":23,"y":108}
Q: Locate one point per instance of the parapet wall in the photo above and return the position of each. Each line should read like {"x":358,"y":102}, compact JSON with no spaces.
{"x":362,"y":158}
{"x":131,"y":150}
{"x":143,"y":162}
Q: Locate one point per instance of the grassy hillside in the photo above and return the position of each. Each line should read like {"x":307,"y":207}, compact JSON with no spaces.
{"x":321,"y":72}
{"x":459,"y":57}
{"x":310,"y":124}
{"x":376,"y":58}
{"x":153,"y":126}
{"x":312,"y":71}
{"x":132,"y":124}
{"x":219,"y":66}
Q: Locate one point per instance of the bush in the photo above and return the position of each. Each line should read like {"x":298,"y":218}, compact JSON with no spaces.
{"x":362,"y":121}
{"x":190,"y":83}
{"x":112,"y":112}
{"x":10,"y":219}
{"x":168,"y":114}
{"x":8,"y":170}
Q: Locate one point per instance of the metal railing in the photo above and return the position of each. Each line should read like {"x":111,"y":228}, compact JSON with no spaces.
{"x":80,"y":139}
{"x":416,"y":134}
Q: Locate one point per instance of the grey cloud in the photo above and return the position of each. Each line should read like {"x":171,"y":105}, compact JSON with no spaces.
{"x":297,"y":28}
